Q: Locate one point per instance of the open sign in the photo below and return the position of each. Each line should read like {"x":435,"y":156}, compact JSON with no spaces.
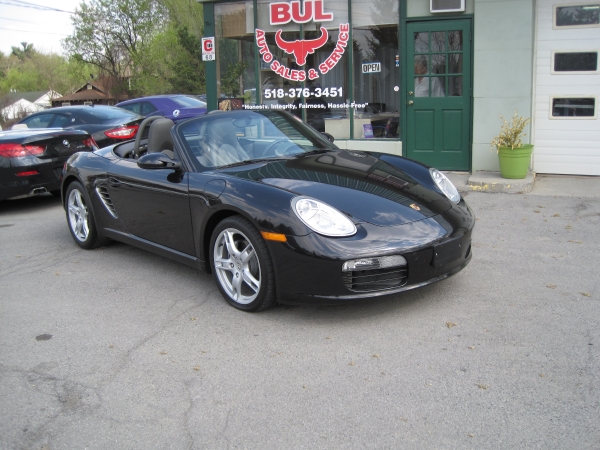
{"x":373,"y":67}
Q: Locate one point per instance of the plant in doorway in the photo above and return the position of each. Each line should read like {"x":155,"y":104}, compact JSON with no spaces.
{"x":514,"y":156}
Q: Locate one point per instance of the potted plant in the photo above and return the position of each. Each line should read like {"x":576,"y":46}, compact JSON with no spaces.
{"x":514,"y":156}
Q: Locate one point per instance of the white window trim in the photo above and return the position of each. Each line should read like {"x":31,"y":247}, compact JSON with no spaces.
{"x":576,"y":72}
{"x":571,"y":27}
{"x":66,"y":104}
{"x":594,"y":117}
{"x":88,"y":103}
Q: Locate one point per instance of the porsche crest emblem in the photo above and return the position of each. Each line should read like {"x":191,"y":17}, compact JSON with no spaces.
{"x":415,"y":207}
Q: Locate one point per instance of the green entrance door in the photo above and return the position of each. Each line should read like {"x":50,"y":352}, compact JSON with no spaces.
{"x":438,"y":93}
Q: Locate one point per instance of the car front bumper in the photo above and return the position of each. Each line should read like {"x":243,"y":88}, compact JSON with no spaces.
{"x":309,"y":270}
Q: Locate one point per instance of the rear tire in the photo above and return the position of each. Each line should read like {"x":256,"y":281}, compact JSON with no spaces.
{"x":80,"y":218}
{"x":242,"y":266}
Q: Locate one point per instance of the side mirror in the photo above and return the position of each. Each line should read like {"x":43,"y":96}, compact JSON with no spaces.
{"x":328,"y":136}
{"x":158,"y":161}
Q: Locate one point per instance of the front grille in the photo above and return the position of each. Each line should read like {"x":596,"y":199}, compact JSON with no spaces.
{"x":375,"y":279}
{"x":105,"y":197}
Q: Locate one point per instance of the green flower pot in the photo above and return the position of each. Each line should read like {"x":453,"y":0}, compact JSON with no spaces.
{"x":514,"y":163}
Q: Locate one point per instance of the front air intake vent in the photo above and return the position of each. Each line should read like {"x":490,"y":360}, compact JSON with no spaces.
{"x":105,"y":197}
{"x":375,"y":274}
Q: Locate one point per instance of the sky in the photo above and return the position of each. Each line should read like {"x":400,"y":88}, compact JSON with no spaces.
{"x":35,"y":22}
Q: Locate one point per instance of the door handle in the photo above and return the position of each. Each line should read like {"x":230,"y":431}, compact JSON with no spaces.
{"x":410,"y":92}
{"x":410,"y":102}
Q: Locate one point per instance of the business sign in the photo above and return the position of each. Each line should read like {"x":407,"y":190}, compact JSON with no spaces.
{"x":373,"y":67}
{"x":208,"y":49}
{"x":282,"y":13}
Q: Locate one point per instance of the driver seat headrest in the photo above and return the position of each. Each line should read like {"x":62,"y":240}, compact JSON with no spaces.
{"x":159,"y":136}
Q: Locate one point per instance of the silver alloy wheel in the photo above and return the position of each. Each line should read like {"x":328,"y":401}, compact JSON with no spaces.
{"x":237,"y":266}
{"x":78,"y":215}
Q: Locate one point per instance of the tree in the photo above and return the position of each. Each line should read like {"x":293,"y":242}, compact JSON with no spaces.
{"x":188,"y":68}
{"x":113,"y":34}
{"x":230,"y":80}
{"x":40,"y":72}
{"x":23,"y":53}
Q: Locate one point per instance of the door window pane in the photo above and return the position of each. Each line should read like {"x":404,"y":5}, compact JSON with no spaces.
{"x":576,"y":62}
{"x":455,"y":42}
{"x":455,"y":86}
{"x":422,"y":42}
{"x":437,"y":86}
{"x":438,"y":64}
{"x":455,"y":63}
{"x":438,"y":41}
{"x":40,"y":121}
{"x":61,"y":121}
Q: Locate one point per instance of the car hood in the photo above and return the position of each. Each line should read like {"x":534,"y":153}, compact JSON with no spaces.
{"x":356,"y":183}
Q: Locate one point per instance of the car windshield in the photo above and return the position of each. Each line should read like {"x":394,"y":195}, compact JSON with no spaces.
{"x":240,"y":137}
{"x":183,"y":100}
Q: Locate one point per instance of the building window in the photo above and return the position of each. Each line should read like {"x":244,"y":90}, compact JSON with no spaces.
{"x":575,"y":62}
{"x":66,"y":104}
{"x":376,"y":70}
{"x":235,"y":49}
{"x":573,"y":108}
{"x":88,"y":103}
{"x":577,"y":16}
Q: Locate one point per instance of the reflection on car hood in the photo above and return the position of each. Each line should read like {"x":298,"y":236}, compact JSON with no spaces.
{"x":359,"y":184}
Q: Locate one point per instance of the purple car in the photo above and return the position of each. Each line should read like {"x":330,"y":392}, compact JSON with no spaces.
{"x":174,"y":107}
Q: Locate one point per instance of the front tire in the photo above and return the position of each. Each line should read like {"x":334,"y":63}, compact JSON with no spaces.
{"x":80,"y":218}
{"x":241,"y":265}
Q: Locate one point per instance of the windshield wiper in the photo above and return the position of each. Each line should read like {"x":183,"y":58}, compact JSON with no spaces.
{"x":250,"y":161}
{"x":312,"y":152}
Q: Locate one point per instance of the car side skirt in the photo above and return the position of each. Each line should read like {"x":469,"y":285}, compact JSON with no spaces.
{"x":157,"y":249}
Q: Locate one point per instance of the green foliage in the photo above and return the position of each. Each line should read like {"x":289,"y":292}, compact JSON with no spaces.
{"x":510,"y":133}
{"x":152,"y":45}
{"x":172,"y":65}
{"x":114,"y":35}
{"x":188,"y":69}
{"x":40,"y":71}
{"x":23,"y":53}
{"x":187,"y":14}
{"x":230,"y":80}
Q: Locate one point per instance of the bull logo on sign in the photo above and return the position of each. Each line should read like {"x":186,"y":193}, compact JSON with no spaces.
{"x":302,"y":48}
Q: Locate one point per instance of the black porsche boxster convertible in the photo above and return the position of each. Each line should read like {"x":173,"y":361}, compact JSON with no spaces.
{"x":272,"y":208}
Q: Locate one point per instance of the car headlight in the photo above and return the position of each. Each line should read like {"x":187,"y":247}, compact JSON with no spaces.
{"x":322,"y":218}
{"x":445,"y":185}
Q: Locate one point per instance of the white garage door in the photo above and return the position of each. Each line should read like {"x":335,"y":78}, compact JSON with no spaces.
{"x":567,"y":88}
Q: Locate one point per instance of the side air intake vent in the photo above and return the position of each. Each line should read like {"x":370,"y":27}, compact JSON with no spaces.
{"x":103,"y":193}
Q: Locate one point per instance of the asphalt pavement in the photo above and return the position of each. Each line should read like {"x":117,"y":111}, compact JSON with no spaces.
{"x":117,"y":348}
